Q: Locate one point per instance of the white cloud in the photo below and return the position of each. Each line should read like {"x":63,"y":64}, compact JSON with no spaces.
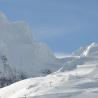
{"x":62,"y":55}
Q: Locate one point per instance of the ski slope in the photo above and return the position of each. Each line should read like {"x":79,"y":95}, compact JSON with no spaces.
{"x":78,"y":83}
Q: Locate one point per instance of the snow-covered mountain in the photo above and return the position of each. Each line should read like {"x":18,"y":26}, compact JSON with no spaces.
{"x":91,"y":50}
{"x":77,"y":78}
{"x":84,"y":55}
{"x":21,"y":55}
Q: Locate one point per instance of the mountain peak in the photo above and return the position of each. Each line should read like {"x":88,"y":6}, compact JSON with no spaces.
{"x":92,"y":49}
{"x":93,"y":44}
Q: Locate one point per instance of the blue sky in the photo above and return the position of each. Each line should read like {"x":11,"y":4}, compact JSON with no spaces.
{"x":64,"y":25}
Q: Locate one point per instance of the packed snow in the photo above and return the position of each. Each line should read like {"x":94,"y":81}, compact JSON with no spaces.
{"x":79,"y":83}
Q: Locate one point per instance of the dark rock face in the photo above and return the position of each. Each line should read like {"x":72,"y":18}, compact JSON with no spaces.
{"x":5,"y":82}
{"x":46,"y":72}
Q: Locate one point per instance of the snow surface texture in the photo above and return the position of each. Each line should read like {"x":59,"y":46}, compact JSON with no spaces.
{"x":79,"y":83}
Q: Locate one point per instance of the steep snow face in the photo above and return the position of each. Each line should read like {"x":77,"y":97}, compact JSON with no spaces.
{"x":91,"y":50}
{"x":22,"y":51}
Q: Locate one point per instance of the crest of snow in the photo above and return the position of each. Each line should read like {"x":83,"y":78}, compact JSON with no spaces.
{"x":88,"y":49}
{"x":91,"y":50}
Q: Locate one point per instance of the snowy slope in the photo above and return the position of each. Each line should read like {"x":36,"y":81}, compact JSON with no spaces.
{"x":78,"y":83}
